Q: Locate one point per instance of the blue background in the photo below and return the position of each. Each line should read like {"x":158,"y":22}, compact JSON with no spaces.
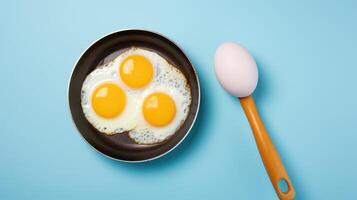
{"x":306,"y":53}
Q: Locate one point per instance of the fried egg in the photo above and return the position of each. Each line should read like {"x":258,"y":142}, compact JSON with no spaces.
{"x":164,"y":105}
{"x":163,"y":111}
{"x":105,"y":104}
{"x":137,"y":68}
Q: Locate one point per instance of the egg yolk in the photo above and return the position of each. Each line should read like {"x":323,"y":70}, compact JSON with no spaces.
{"x":159,"y":109}
{"x":136,"y":71}
{"x":108,"y":100}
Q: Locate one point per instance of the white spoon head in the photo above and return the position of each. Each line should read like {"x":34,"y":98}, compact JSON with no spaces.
{"x":236,"y":69}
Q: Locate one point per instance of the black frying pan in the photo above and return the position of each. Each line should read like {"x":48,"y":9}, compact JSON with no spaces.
{"x":120,"y":146}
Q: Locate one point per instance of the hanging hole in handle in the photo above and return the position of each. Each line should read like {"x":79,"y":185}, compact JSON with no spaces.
{"x":283,"y":185}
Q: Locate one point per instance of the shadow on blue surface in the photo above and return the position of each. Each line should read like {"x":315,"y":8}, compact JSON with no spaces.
{"x":263,"y":88}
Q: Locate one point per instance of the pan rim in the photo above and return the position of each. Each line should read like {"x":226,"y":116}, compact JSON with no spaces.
{"x":198,"y":95}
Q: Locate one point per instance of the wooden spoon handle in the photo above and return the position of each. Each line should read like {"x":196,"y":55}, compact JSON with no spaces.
{"x":268,"y":153}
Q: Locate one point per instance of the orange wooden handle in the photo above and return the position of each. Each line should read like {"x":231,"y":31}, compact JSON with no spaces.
{"x":269,"y":154}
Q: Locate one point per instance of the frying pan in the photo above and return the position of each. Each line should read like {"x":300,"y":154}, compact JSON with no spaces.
{"x":120,"y":146}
